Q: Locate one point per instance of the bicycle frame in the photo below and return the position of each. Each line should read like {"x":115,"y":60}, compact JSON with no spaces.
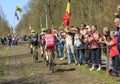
{"x":51,"y":61}
{"x":35,"y":53}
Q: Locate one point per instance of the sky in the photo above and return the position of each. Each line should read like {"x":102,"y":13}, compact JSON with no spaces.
{"x":9,"y":6}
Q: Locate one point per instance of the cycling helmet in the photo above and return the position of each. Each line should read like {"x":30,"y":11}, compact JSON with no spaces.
{"x":43,"y":29}
{"x":33,"y":31}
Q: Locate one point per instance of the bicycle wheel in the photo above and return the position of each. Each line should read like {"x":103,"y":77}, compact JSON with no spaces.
{"x":35,"y":54}
{"x":51,"y":65}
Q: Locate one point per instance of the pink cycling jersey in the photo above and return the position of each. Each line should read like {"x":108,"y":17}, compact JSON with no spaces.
{"x":49,"y":41}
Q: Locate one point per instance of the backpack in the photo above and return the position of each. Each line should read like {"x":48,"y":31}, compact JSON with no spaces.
{"x":34,"y":39}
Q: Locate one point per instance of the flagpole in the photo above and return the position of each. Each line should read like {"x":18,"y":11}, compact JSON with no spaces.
{"x":46,"y":18}
{"x":40,"y":21}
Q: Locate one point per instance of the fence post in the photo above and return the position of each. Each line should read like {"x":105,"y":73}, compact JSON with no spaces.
{"x":107,"y":61}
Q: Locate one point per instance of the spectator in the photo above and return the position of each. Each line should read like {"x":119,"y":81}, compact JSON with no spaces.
{"x":16,"y":39}
{"x":117,"y":33}
{"x":9,"y":38}
{"x":87,"y":50}
{"x":25,"y":38}
{"x":77,"y":44}
{"x":62,"y":42}
{"x":70,"y":46}
{"x":117,"y":14}
{"x":106,"y":34}
{"x":82,"y":30}
{"x":3,"y":40}
{"x":114,"y":53}
{"x":58,"y":40}
{"x":93,"y":41}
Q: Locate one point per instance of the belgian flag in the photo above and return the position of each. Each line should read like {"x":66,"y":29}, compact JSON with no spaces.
{"x":66,"y":17}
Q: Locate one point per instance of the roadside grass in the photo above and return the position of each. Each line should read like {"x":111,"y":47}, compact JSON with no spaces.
{"x":3,"y":57}
{"x":108,"y":79}
{"x":99,"y":74}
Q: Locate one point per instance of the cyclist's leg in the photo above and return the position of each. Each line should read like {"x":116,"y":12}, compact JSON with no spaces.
{"x":33,"y":50}
{"x":36,"y":50}
{"x":46,"y":54}
{"x":53,"y":54}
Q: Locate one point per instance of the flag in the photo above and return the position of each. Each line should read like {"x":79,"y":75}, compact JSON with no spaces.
{"x":18,"y":9}
{"x":66,"y":17}
{"x":11,"y":30}
{"x":16,"y":15}
{"x":30,"y":28}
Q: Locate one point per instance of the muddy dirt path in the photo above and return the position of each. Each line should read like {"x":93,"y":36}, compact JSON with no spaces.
{"x":21,"y":70}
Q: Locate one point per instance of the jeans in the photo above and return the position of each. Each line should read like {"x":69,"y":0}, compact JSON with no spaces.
{"x":96,"y":56}
{"x":9,"y":42}
{"x":70,"y":48}
{"x":61,"y":49}
{"x":77,"y":54}
{"x":56,"y":50}
{"x":115,"y":64}
{"x":88,"y":56}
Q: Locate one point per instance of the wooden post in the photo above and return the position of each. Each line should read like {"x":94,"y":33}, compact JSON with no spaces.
{"x":107,"y":61}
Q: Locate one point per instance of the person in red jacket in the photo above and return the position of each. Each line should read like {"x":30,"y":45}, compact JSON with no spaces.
{"x":114,"y":53}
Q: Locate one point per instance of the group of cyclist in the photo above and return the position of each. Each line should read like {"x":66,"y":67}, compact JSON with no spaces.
{"x":46,"y":41}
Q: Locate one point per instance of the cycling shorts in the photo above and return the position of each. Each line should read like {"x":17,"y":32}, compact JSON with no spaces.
{"x":50,"y":46}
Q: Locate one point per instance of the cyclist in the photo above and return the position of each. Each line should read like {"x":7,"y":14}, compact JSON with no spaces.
{"x":43,"y":32}
{"x":33,"y":41}
{"x":50,"y":41}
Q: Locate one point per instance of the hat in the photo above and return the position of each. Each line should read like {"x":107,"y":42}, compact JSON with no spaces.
{"x":106,"y":29}
{"x":72,"y":28}
{"x":87,"y":27}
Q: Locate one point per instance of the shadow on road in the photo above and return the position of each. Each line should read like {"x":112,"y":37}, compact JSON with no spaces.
{"x":26,"y":80}
{"x":21,"y":56}
{"x":63,"y":70}
{"x":65,"y":63}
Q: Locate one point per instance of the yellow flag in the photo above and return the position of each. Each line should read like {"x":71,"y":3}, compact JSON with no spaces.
{"x":18,"y":9}
{"x":11,"y":30}
{"x":68,"y":7}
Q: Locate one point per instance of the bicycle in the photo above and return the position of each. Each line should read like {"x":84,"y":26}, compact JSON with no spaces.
{"x":50,"y":61}
{"x":34,"y":53}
